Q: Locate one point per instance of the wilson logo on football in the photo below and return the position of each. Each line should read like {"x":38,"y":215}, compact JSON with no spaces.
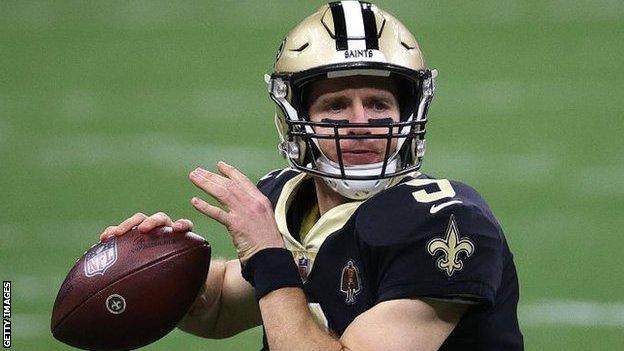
{"x":100,"y":258}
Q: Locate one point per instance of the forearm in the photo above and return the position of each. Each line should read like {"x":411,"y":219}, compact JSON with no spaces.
{"x":225,"y":307}
{"x":289,"y":325}
{"x":398,"y":325}
{"x":201,"y":318}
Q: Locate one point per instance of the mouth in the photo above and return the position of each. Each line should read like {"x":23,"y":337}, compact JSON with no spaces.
{"x":360,"y":157}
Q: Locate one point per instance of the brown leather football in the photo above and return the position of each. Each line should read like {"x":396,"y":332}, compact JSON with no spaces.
{"x":131,"y":290}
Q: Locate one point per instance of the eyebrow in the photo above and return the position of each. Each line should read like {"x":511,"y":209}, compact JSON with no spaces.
{"x":332,"y":98}
{"x":386,"y":97}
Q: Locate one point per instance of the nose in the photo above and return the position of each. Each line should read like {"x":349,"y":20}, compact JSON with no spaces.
{"x":358,"y":112}
{"x":358,"y":115}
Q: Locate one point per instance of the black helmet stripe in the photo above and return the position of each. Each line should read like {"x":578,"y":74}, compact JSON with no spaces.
{"x":354,"y":25}
{"x":370,"y":26}
{"x":340,"y":27}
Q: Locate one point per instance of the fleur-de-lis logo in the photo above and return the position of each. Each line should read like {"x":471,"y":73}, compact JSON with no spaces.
{"x":451,"y":246}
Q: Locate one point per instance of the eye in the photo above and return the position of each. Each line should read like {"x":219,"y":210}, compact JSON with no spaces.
{"x":378,"y":105}
{"x":335,"y":106}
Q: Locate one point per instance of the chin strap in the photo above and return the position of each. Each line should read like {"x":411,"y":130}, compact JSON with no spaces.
{"x":357,"y":189}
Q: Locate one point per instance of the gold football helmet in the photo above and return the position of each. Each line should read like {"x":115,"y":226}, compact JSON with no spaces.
{"x":341,"y":39}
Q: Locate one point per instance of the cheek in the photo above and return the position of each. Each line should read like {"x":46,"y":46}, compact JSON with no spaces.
{"x":393,"y":146}
{"x":328,"y":147}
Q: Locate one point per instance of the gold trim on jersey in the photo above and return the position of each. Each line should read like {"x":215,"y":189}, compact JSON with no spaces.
{"x":328,"y":223}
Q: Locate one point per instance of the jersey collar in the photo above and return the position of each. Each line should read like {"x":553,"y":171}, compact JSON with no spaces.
{"x":328,"y":223}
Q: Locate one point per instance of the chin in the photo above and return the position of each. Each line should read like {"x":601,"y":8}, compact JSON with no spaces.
{"x":358,"y":159}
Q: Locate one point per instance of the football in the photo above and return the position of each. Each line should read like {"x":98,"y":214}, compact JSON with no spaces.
{"x":129,"y":291}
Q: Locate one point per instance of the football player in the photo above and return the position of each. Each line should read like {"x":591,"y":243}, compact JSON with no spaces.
{"x":351,"y":247}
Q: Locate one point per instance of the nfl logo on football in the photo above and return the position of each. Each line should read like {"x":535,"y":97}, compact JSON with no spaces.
{"x":100,"y":258}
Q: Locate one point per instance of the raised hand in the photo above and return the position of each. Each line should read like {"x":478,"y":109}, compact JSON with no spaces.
{"x":248,"y":214}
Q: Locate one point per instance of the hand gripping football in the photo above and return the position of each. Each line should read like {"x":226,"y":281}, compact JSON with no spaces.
{"x":131,"y":290}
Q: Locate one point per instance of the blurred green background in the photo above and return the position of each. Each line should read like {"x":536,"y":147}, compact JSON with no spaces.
{"x":106,"y":106}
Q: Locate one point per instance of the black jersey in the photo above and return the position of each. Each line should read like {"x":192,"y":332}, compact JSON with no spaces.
{"x":422,"y":237}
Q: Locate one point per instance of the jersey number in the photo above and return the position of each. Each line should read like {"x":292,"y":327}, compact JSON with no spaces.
{"x":446,"y":191}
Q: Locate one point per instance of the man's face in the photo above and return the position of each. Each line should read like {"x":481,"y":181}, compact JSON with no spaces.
{"x":356,"y":99}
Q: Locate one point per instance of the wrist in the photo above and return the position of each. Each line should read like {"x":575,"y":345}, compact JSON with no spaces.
{"x":271,"y":269}
{"x":245,"y":252}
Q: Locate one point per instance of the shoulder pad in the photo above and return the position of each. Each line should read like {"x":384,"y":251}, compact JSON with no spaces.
{"x":271,"y":184}
{"x":420,"y":209}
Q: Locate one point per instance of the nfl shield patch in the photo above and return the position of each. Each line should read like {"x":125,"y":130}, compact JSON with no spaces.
{"x":303,"y":264}
{"x":100,"y":258}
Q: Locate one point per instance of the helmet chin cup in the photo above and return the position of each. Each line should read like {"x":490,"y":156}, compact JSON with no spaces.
{"x":356,"y":189}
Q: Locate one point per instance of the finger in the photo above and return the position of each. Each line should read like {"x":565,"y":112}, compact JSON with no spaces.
{"x":156,"y":220}
{"x":248,"y":186}
{"x":123,"y":227}
{"x":108,"y":232}
{"x":236,"y":175}
{"x":213,"y":177}
{"x":222,"y":189}
{"x":241,"y":179}
{"x":128,"y":224}
{"x":182,"y":225}
{"x":213,"y":212}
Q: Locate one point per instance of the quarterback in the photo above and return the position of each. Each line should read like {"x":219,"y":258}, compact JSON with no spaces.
{"x":350,"y":247}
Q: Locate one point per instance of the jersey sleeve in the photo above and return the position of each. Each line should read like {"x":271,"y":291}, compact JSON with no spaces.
{"x":455,"y":253}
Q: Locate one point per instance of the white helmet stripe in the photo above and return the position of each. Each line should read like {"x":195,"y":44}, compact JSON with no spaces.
{"x":355,"y":25}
